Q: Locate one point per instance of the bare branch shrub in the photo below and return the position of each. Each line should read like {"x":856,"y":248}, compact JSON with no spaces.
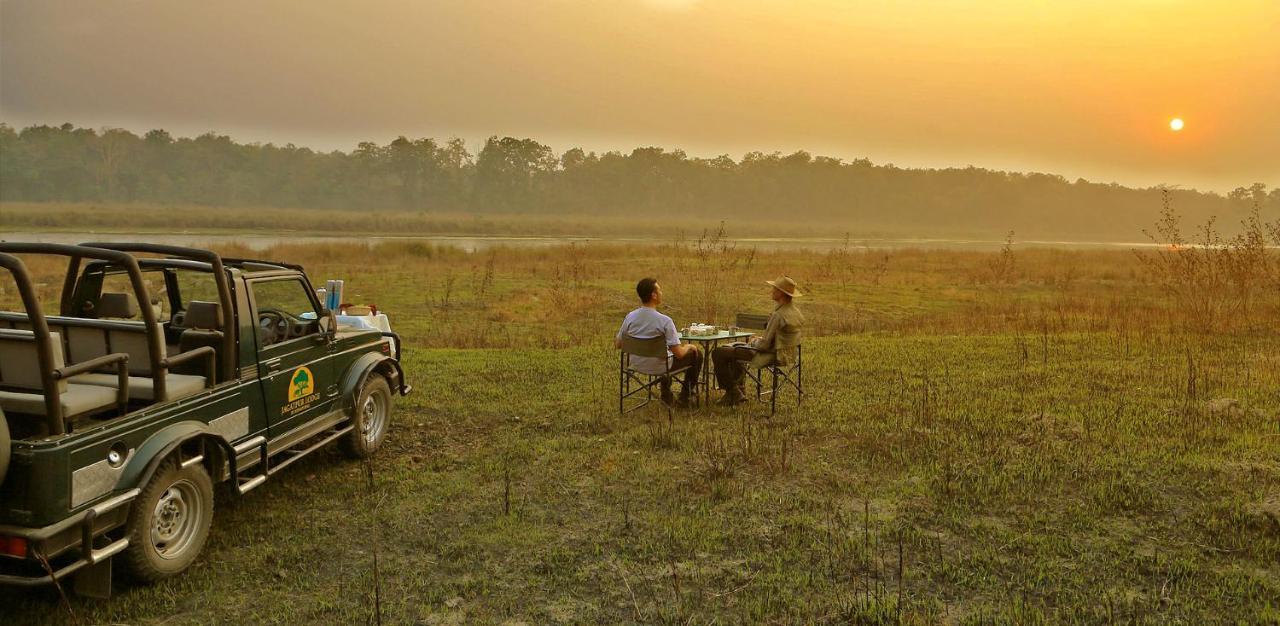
{"x":1215,"y":281}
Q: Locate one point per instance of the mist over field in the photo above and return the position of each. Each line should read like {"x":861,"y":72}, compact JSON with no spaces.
{"x":507,"y":176}
{"x":1081,"y":89}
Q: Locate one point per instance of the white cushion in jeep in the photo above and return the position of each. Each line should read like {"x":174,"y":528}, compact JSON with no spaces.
{"x":143,"y":388}
{"x":76,"y":400}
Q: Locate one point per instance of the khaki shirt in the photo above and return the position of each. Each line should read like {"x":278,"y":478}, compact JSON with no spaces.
{"x":781,"y":337}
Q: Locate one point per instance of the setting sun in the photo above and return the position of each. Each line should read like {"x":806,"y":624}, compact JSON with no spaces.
{"x":1175,"y":124}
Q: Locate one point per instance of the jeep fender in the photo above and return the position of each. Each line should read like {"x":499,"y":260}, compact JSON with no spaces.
{"x":360,"y":371}
{"x":143,"y":463}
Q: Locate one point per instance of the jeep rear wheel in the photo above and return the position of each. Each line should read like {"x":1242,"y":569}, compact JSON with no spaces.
{"x":371,"y":419}
{"x":169,"y":522}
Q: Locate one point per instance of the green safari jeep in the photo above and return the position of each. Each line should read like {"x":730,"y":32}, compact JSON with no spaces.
{"x":168,"y":370}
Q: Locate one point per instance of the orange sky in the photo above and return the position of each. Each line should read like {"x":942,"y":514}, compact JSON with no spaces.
{"x":1081,"y":88}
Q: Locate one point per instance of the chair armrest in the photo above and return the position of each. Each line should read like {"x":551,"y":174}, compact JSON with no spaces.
{"x":210,"y":357}
{"x":120,"y":358}
{"x":121,"y":361}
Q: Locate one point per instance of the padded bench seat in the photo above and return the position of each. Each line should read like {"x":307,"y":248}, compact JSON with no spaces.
{"x":88,"y":339}
{"x":143,"y":388}
{"x":76,"y":400}
{"x":23,"y":381}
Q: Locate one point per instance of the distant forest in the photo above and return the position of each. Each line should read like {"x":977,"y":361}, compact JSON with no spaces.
{"x":509,"y":175}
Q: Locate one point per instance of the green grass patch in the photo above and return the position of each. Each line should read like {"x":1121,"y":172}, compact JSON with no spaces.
{"x":1052,"y":443}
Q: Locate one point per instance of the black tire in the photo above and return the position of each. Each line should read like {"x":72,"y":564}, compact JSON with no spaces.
{"x":169,"y":522}
{"x":4,"y":447}
{"x":371,"y":419}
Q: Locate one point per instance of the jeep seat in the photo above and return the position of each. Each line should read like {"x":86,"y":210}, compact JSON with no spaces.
{"x":143,"y":387}
{"x":132,"y":338}
{"x":21,"y":379}
{"x":204,"y":328}
{"x":116,"y":305}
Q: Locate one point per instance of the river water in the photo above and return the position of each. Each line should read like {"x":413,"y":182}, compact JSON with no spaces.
{"x":258,"y":241}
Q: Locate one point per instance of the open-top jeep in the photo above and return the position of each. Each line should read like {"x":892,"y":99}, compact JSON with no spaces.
{"x":167,"y":370}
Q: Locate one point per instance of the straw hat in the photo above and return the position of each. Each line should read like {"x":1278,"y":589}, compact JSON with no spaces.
{"x":785,"y":285}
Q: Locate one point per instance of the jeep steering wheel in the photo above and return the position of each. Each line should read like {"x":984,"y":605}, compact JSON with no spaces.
{"x":273,"y":325}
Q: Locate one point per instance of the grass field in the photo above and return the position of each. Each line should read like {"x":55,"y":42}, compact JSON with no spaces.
{"x":1031,"y":436}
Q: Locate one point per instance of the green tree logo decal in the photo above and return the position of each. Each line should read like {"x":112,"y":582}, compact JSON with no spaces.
{"x":300,"y":384}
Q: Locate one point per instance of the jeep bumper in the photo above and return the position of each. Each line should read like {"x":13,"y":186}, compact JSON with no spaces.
{"x":45,"y":545}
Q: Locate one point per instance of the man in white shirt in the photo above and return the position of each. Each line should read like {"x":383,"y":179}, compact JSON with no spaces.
{"x":646,"y":323}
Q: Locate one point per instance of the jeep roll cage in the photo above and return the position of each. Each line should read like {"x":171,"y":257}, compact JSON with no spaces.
{"x":216,"y":265}
{"x":40,"y":327}
{"x":44,"y":343}
{"x":235,"y":262}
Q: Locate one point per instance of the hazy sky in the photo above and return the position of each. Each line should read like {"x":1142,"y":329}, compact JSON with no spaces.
{"x":1077,"y":87}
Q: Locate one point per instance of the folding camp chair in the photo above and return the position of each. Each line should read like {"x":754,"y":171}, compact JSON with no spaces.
{"x":632,"y":382}
{"x":787,"y":375}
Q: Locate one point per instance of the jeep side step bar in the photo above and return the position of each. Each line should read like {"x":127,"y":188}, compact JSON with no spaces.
{"x":299,"y":451}
{"x":245,"y":483}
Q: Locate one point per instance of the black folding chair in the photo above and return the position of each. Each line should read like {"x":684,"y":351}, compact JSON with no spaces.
{"x":791,"y":375}
{"x":632,"y":382}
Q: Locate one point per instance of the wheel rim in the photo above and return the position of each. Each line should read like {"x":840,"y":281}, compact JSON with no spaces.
{"x":375,"y":418}
{"x":175,"y":522}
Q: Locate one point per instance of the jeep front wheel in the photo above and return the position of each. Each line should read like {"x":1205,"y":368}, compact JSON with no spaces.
{"x":371,"y":419}
{"x":169,"y":522}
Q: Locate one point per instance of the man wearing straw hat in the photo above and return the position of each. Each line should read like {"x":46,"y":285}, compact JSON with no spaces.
{"x":776,"y":345}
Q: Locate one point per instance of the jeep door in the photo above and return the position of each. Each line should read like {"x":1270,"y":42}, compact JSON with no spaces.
{"x":295,"y":360}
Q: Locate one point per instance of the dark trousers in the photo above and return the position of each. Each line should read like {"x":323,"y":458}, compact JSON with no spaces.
{"x":693,"y":359}
{"x":730,"y":363}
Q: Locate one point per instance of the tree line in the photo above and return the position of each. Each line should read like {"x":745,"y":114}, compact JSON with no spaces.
{"x":511,"y":175}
